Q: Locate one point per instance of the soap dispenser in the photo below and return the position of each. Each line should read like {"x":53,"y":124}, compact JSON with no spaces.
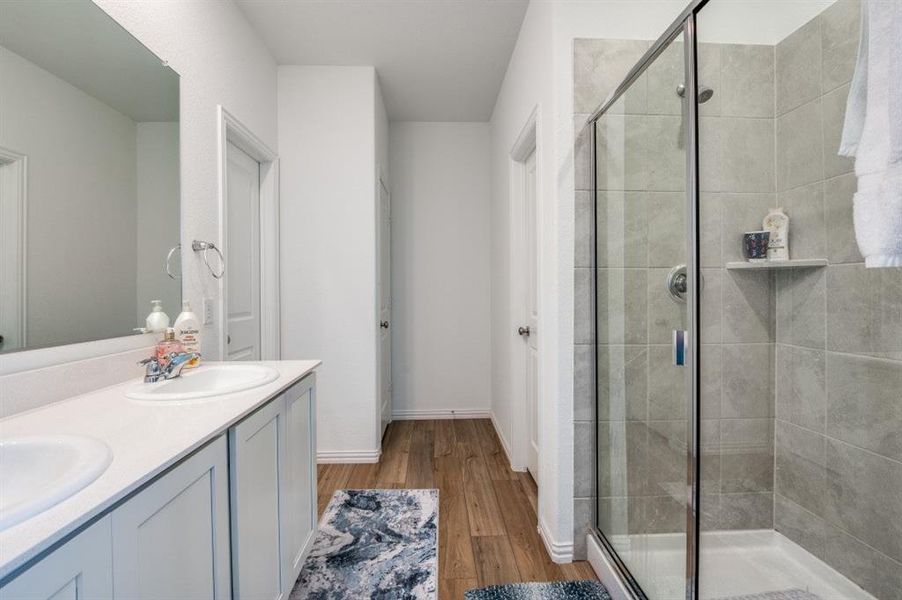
{"x":187,"y":331}
{"x":157,"y":321}
{"x":168,"y":345}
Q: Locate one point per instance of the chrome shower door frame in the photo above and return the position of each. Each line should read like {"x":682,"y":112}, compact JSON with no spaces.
{"x":684,"y":25}
{"x":693,"y":311}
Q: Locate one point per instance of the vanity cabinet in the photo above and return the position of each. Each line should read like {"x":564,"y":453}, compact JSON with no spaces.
{"x":234,"y":519}
{"x":273,"y":490}
{"x":171,"y":539}
{"x":300,"y":485}
{"x":257,"y":446}
{"x":80,"y":568}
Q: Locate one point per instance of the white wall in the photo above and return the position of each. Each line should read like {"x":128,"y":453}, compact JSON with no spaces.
{"x":221,"y":60}
{"x":81,"y":214}
{"x":441,"y":212}
{"x":158,"y":210}
{"x":755,"y":21}
{"x":327,"y":147}
{"x":528,"y":87}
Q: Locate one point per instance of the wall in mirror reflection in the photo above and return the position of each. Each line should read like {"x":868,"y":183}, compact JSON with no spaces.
{"x":92,"y":116}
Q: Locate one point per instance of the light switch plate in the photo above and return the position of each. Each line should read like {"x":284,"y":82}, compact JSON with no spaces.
{"x":208,"y":311}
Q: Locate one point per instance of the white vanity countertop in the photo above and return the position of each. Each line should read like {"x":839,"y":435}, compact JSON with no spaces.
{"x":145,"y":439}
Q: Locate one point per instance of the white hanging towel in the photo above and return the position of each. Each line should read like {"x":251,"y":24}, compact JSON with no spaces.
{"x":872,"y":133}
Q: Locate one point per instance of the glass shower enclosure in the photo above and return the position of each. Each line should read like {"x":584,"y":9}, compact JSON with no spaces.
{"x":747,"y":414}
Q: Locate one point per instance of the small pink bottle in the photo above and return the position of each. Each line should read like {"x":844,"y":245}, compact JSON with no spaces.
{"x":167,"y":346}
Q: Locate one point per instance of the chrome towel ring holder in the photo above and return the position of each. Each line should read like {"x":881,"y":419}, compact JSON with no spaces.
{"x":169,"y":260}
{"x":201,"y":246}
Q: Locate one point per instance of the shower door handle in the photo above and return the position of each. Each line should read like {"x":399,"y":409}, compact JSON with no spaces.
{"x":680,"y":343}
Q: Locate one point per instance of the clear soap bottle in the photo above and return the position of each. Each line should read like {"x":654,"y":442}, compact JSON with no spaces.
{"x":167,"y":346}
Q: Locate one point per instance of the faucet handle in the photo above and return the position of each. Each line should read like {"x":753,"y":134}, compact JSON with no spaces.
{"x":154,"y":369}
{"x":177,"y":361}
{"x":181,"y":356}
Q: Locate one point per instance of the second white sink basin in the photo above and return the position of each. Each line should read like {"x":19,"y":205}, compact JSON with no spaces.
{"x":204,"y":382}
{"x":37,"y":472}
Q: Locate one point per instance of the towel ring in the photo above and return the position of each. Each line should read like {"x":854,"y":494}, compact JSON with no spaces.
{"x":201,"y":246}
{"x":169,"y":260}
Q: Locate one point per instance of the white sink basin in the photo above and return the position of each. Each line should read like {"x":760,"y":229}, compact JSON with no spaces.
{"x":205,"y":381}
{"x":37,"y":472}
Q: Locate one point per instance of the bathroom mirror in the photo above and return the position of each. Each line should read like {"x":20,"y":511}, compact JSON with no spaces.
{"x":89,"y":176}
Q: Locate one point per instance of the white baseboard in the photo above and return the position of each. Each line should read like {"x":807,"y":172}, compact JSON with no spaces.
{"x":440,"y":413}
{"x":559,"y":553}
{"x":605,"y":570}
{"x":324,"y":457}
{"x":507,"y":450}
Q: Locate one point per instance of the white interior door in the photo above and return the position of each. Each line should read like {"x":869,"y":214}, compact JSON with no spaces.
{"x":385,"y":387}
{"x":530,"y":332}
{"x":242,"y":278}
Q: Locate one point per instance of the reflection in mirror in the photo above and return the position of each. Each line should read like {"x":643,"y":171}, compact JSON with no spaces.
{"x":89,"y":176}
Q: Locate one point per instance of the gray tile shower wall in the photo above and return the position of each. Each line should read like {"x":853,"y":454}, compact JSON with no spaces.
{"x":838,"y":443}
{"x":599,"y":66}
{"x":640,"y":220}
{"x":802,"y":369}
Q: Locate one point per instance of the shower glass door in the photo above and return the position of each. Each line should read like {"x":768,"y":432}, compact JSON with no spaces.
{"x":643,"y":397}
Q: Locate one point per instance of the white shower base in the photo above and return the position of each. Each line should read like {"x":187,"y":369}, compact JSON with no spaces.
{"x":733,"y":563}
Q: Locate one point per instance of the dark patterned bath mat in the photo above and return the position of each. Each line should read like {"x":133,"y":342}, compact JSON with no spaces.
{"x":556,"y":590}
{"x":374,"y":544}
{"x":794,"y":594}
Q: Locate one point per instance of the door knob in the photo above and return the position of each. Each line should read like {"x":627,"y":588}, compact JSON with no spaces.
{"x":524,"y":331}
{"x":383,"y":324}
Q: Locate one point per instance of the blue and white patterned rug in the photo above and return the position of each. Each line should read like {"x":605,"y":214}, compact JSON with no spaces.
{"x":379,"y":544}
{"x":555,"y":590}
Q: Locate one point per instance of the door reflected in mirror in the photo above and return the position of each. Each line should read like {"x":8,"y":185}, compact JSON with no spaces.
{"x":89,"y":176}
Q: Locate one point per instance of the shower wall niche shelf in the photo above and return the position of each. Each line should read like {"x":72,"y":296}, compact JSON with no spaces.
{"x":796,"y":263}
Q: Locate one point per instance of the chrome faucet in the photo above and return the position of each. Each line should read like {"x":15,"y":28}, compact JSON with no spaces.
{"x":177,"y":361}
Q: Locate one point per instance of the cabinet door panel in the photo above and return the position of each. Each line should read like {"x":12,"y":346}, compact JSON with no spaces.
{"x":171,"y":539}
{"x":299,"y":506}
{"x":80,"y":568}
{"x":257,"y":447}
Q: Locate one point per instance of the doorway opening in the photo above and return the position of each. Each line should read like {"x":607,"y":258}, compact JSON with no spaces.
{"x":12,"y":249}
{"x":385,"y":297}
{"x":249,"y":313}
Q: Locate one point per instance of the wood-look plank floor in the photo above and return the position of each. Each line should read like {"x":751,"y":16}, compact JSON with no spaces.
{"x":487,"y":512}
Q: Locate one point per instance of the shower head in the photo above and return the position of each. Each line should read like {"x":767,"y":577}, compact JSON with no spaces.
{"x":704,"y":93}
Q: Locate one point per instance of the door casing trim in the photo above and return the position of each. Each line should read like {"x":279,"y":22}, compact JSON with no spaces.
{"x":15,"y":183}
{"x":230,"y":129}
